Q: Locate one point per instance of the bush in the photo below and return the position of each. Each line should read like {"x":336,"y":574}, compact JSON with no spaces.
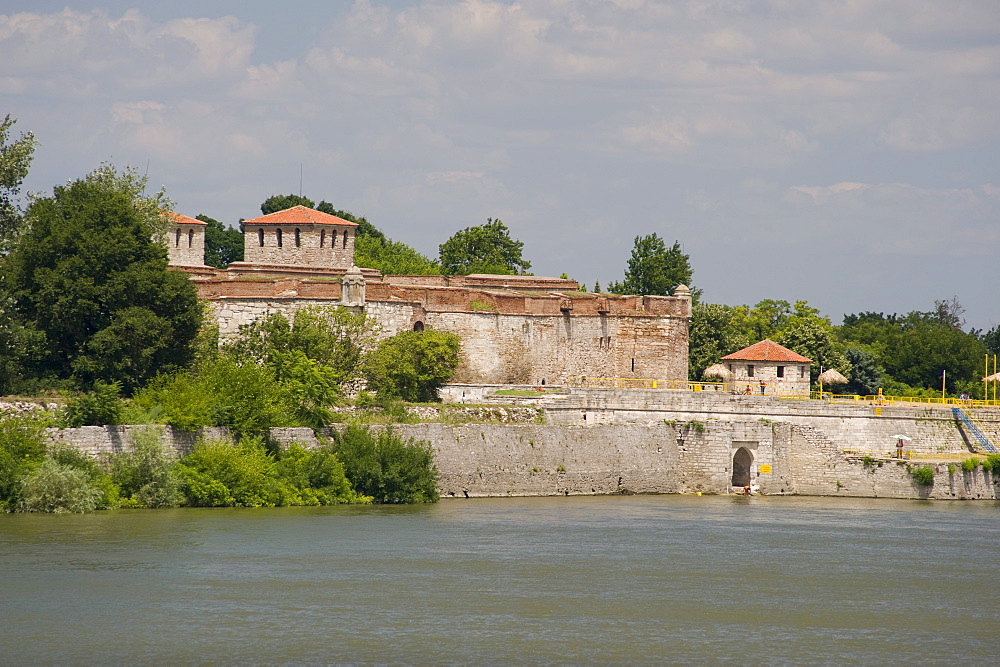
{"x":110,"y":497}
{"x":217,"y":474}
{"x":54,"y":487}
{"x":387,"y":467}
{"x":970,"y":464}
{"x":412,"y":365}
{"x":924,"y":475}
{"x":992,"y":463}
{"x":95,"y":408}
{"x":22,"y":449}
{"x":145,"y":472}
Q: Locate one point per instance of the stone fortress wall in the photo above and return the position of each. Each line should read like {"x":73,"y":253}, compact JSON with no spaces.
{"x":674,"y":442}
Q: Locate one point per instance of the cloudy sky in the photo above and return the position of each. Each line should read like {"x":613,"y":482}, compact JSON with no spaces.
{"x":843,"y":152}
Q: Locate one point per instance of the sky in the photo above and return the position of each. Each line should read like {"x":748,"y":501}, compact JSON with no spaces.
{"x":842,"y":152}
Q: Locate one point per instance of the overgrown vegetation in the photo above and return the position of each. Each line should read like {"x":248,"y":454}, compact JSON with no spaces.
{"x":356,"y":466}
{"x":923,"y":475}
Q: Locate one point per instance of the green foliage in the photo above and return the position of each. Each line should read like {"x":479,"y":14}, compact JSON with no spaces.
{"x":715,"y":331}
{"x":866,"y":374}
{"x":483,"y":249}
{"x":655,"y":269}
{"x":58,"y":488}
{"x":480,"y":305}
{"x":223,"y":245}
{"x":217,"y":474}
{"x":144,"y":472}
{"x":99,"y":407}
{"x":914,"y":348}
{"x":991,"y":339}
{"x":992,"y":463}
{"x":22,"y":449}
{"x":412,"y":365}
{"x":335,"y":338}
{"x":243,"y":396}
{"x":15,"y":158}
{"x":387,"y":467}
{"x":923,"y":475}
{"x":276,"y":203}
{"x":970,"y":464}
{"x":89,"y":278}
{"x":813,"y":337}
{"x":392,"y":257}
{"x":365,"y":228}
{"x":868,"y":462}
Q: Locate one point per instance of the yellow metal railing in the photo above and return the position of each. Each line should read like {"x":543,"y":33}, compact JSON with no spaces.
{"x":740,"y":388}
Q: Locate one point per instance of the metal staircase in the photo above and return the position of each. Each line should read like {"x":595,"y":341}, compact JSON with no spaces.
{"x":971,"y":425}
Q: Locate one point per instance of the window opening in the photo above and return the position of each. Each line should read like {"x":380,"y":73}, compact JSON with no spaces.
{"x":190,"y":237}
{"x":322,"y":238}
{"x":177,"y":240}
{"x":781,"y":371}
{"x":749,"y":370}
{"x":298,"y":238}
{"x":633,"y":364}
{"x":277,"y":235}
{"x":345,"y":239}
{"x":260,"y":237}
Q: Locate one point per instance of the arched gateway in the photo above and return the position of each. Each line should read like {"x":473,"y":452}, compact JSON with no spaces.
{"x":742,"y":462}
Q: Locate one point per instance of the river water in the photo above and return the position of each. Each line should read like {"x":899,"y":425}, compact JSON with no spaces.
{"x":540,"y":580}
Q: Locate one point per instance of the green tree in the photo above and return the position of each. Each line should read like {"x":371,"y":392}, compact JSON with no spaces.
{"x":715,"y":331}
{"x":276,"y":203}
{"x":392,"y":257}
{"x":412,"y":365}
{"x":15,"y":158}
{"x":655,"y":269}
{"x":866,"y":374}
{"x":387,"y":467}
{"x":991,"y":339}
{"x":483,"y":249}
{"x":814,"y":338}
{"x":365,"y":228}
{"x":223,"y":245}
{"x":89,"y":277}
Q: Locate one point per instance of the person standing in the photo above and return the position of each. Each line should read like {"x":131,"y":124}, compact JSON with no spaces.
{"x":762,"y":385}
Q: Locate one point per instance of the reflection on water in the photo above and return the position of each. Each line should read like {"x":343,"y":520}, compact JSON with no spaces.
{"x":611,"y":579}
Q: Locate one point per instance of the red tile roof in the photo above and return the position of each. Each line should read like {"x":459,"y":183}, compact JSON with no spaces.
{"x":300,"y":215}
{"x":767,"y":350}
{"x":179,"y":219}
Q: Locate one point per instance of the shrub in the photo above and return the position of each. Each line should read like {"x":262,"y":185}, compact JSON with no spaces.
{"x":145,"y":472}
{"x":992,"y":463}
{"x":924,"y":475}
{"x":95,"y":408}
{"x":22,"y":449}
{"x":412,"y":365}
{"x":54,"y":487}
{"x":71,"y":456}
{"x":317,"y":475}
{"x":970,"y":464}
{"x":217,"y":474}
{"x":387,"y":467}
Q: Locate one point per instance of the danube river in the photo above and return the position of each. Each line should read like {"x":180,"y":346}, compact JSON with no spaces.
{"x":550,"y":580}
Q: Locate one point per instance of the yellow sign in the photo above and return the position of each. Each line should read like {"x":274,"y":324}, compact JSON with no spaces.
{"x":765,"y":470}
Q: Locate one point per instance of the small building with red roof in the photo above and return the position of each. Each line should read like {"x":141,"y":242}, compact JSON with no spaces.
{"x":299,"y":236}
{"x":769,"y":368}
{"x":185,"y":240}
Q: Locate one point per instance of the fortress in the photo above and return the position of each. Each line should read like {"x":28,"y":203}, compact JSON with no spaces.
{"x":514,"y":329}
{"x":542,"y":331}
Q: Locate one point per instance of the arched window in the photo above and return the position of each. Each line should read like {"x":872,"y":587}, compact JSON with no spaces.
{"x":322,"y":238}
{"x":277,"y":235}
{"x":177,"y":239}
{"x":298,"y":238}
{"x":260,"y":237}
{"x":345,"y":239}
{"x":190,"y":237}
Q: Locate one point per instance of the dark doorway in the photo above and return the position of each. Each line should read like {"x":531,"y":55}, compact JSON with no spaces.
{"x":742,"y":460}
{"x":418,"y":326}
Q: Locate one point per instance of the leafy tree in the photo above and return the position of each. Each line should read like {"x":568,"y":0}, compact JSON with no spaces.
{"x":814,"y":338}
{"x":365,"y":228}
{"x":387,"y":467}
{"x":655,"y":269}
{"x":483,"y":249}
{"x":333,"y":337}
{"x":15,"y":158}
{"x":223,"y":245}
{"x":392,"y":257}
{"x":88,"y":276}
{"x":866,"y":374}
{"x":992,"y":340}
{"x":412,"y":365}
{"x":276,"y":203}
{"x":715,"y":331}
